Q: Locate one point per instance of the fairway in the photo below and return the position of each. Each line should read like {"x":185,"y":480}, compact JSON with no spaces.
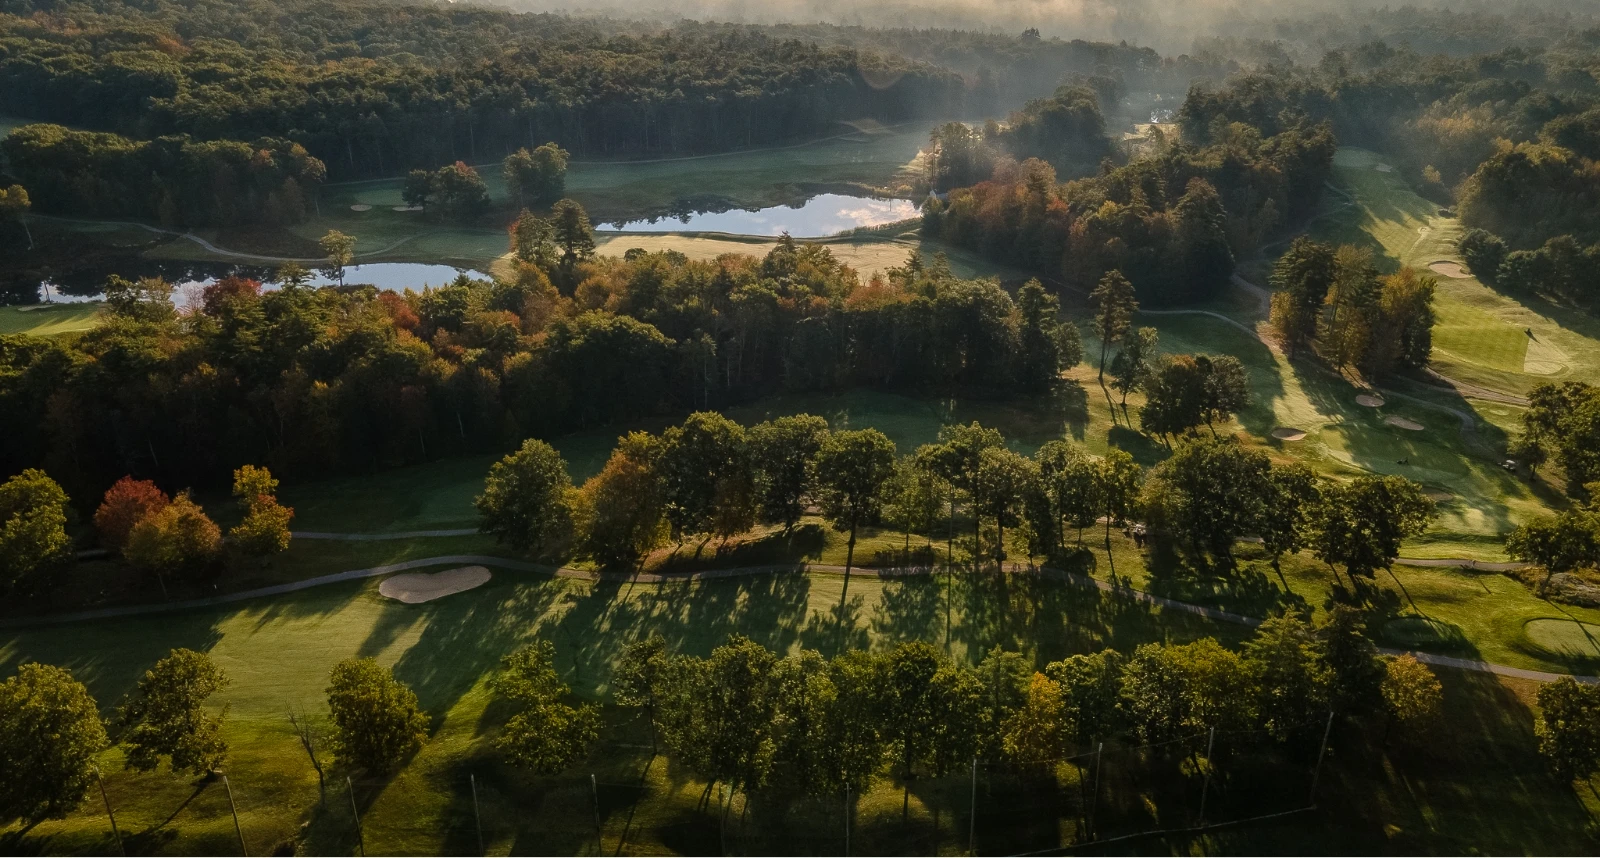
{"x":43,"y":320}
{"x":1481,"y":336}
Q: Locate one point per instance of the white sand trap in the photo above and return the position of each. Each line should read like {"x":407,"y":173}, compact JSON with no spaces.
{"x":417,"y":587}
{"x":1453,"y":270}
{"x":408,"y":208}
{"x":361,"y":207}
{"x":1384,"y":168}
{"x":1402,"y":423}
{"x":1289,"y":433}
{"x":1369,"y":400}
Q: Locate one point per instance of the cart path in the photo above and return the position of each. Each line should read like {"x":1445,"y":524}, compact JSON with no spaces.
{"x":1113,"y":587}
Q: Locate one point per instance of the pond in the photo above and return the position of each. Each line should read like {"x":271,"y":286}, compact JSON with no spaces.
{"x":388,"y":276}
{"x":822,"y":215}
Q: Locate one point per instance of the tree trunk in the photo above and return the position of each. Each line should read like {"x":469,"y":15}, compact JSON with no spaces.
{"x":849,"y":560}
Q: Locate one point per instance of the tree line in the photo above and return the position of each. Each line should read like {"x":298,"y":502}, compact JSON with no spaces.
{"x":174,"y":180}
{"x":713,"y":478}
{"x":349,"y":378}
{"x":1172,"y":223}
{"x":776,"y":726}
{"x":375,"y":89}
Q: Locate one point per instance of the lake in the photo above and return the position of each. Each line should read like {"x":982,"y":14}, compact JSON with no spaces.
{"x":822,"y":215}
{"x":388,"y":276}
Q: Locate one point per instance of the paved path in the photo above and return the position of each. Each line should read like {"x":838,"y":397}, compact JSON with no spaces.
{"x":1113,"y":587}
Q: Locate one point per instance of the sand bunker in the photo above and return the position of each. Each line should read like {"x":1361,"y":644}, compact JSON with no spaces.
{"x":1289,"y":433}
{"x":1369,"y":400}
{"x":1453,"y":270}
{"x":417,"y":587}
{"x":1384,"y":168}
{"x":408,"y":208}
{"x":361,"y":207}
{"x":1402,"y":423}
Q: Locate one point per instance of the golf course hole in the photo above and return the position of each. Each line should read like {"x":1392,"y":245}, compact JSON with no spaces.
{"x":1560,"y":636}
{"x":1453,"y":270}
{"x":1403,"y":423}
{"x":1369,"y":400}
{"x":361,"y":207}
{"x":1289,"y":433}
{"x":414,"y":588}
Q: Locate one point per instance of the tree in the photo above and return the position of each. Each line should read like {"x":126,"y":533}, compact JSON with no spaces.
{"x":265,"y":528}
{"x":417,"y":189}
{"x":377,"y":723}
{"x":624,"y":505}
{"x":1357,"y":671}
{"x":180,"y":539}
{"x":1569,"y":727}
{"x":50,"y":734}
{"x":460,"y":192}
{"x":783,"y":451}
{"x":1565,"y":419}
{"x":1361,"y":524}
{"x":1219,"y":687}
{"x":1155,"y":694}
{"x":527,"y":498}
{"x":852,"y":468}
{"x":1038,"y":730}
{"x":1175,"y":396}
{"x":1287,"y":515}
{"x":1560,"y":543}
{"x":1209,"y":493}
{"x":1131,"y":366}
{"x":1114,"y":308}
{"x":705,"y":466}
{"x":1302,"y":275}
{"x":125,"y":504}
{"x":166,"y":716}
{"x":14,"y":205}
{"x":539,"y":176}
{"x":573,"y":234}
{"x":1484,"y":254}
{"x":338,"y":250}
{"x":1045,"y":346}
{"x":1225,"y":385}
{"x":1292,"y":675}
{"x":1071,"y":480}
{"x":544,"y":733}
{"x":718,"y":713}
{"x":1092,"y":687}
{"x":999,"y":490}
{"x":915,"y":498}
{"x":637,"y":679}
{"x":1119,"y":478}
{"x":532,"y":240}
{"x":33,"y":526}
{"x":1412,"y":695}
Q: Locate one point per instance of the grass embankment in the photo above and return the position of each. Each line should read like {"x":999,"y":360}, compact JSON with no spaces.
{"x":43,"y":320}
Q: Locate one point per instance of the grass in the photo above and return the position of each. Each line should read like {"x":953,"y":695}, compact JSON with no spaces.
{"x":43,"y":320}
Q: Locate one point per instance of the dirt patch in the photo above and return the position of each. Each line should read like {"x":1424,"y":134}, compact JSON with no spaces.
{"x":414,"y":588}
{"x":361,"y":207}
{"x":1369,"y":400}
{"x":1453,"y":270}
{"x":1289,"y":433}
{"x":1402,"y":423}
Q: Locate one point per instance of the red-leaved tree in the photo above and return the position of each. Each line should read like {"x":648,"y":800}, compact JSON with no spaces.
{"x":126,"y":503}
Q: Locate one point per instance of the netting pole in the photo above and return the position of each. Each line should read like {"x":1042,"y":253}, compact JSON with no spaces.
{"x":1094,"y":805}
{"x":115,"y":834}
{"x":1316,"y":775}
{"x":360,"y":840}
{"x":477,"y":818}
{"x":594,"y":790}
{"x":972,"y":813}
{"x":1205,"y":788}
{"x":235,"y":809}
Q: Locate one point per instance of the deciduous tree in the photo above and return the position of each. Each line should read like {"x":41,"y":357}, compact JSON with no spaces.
{"x":50,"y":734}
{"x":545,"y":733}
{"x":125,"y":503}
{"x":377,"y":722}
{"x":527,"y":498}
{"x":33,"y":522}
{"x":166,"y":716}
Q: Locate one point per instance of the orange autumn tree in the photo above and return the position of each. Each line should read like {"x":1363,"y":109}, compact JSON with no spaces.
{"x":126,"y":503}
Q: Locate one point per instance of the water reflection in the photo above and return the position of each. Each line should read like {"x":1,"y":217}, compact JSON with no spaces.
{"x":823,"y":215}
{"x":81,"y":286}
